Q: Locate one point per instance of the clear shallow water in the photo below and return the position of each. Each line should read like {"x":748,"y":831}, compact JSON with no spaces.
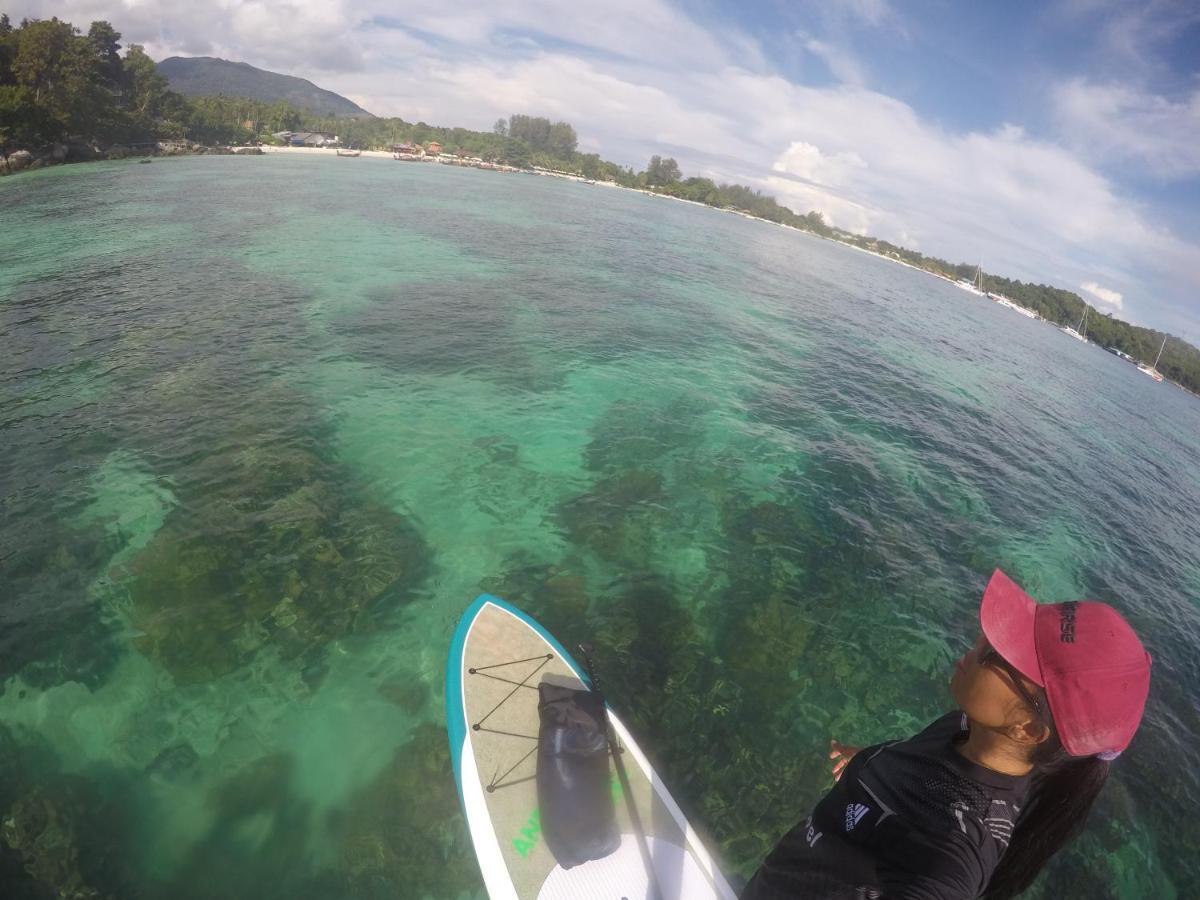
{"x":269,"y":424}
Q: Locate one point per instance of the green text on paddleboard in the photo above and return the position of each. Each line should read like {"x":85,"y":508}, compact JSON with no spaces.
{"x":531,"y":831}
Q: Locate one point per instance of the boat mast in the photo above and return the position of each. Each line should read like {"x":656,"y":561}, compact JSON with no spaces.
{"x":1160,"y":350}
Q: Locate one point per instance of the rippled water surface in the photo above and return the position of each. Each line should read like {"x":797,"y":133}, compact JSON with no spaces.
{"x":269,"y":424}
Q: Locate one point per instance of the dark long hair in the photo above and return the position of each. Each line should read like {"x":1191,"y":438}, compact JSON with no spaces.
{"x":1061,"y":795}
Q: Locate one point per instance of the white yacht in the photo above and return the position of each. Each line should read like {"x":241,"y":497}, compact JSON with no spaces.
{"x":1016,"y":307}
{"x":1152,"y":371}
{"x":976,"y":286}
{"x":1077,"y":333}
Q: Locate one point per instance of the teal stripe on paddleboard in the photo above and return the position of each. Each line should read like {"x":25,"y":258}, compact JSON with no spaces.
{"x":456,"y":721}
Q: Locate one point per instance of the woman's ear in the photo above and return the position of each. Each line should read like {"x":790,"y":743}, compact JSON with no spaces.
{"x":1029,"y":733}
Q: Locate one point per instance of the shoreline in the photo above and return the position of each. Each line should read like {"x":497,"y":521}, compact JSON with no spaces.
{"x":1024,"y":311}
{"x":270,"y":149}
{"x":59,"y":154}
{"x":56,"y":156}
{"x":25,"y":160}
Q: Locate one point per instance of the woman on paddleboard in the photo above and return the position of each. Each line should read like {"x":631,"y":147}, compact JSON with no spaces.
{"x":976,"y":804}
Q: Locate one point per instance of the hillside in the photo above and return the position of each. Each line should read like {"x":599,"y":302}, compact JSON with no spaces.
{"x":202,"y":76}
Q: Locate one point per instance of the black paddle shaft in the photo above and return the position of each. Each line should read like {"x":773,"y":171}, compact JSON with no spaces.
{"x":586,"y":649}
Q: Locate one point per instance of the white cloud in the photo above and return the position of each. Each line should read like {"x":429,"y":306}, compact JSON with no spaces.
{"x":1133,"y":37}
{"x":809,"y":163}
{"x":1134,"y":32}
{"x":869,"y":12}
{"x":627,"y":28}
{"x":841,"y":63}
{"x":1119,"y":123}
{"x":1104,"y":295}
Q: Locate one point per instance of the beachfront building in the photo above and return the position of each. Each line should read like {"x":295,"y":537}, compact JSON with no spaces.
{"x":433,"y":147}
{"x":408,"y":151}
{"x":307,"y":138}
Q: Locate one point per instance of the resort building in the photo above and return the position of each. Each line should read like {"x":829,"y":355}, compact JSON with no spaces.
{"x":307,"y":138}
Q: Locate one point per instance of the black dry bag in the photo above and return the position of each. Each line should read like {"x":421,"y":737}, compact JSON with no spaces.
{"x":574,"y":792}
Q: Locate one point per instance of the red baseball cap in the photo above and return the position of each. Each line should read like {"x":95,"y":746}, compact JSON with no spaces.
{"x":1095,"y":671}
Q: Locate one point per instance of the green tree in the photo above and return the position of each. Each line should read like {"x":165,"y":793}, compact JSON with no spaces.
{"x":22,"y":121}
{"x":561,"y":141}
{"x":8,"y":49}
{"x":218,"y":120}
{"x":815,"y":222}
{"x":145,"y":89}
{"x":533,"y":130}
{"x":556,"y":140}
{"x":41,"y":58}
{"x":501,"y":127}
{"x":515,"y":153}
{"x":106,"y":45}
{"x":702,"y":190}
{"x":590,"y":165}
{"x":662,"y":171}
{"x":281,"y":116}
{"x":57,"y":67}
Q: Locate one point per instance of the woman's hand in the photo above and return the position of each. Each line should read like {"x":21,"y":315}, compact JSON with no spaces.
{"x":843,"y":753}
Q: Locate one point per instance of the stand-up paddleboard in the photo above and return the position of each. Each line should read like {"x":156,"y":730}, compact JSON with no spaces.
{"x":498,"y":658}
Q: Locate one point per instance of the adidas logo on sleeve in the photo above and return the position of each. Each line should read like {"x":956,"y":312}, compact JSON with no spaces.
{"x":854,"y":814}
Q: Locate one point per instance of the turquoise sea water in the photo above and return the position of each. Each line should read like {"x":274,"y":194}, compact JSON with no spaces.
{"x":269,"y":424}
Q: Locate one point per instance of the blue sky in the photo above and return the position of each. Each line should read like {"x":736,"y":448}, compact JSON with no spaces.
{"x":1055,"y":141}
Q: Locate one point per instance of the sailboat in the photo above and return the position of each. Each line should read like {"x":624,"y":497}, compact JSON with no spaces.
{"x":1152,"y":371}
{"x":1077,"y":333}
{"x":975,"y":286}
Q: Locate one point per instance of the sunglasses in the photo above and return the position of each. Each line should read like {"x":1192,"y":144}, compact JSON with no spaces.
{"x":989,"y":656}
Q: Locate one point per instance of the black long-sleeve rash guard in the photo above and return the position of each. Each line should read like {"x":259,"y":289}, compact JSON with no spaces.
{"x":908,"y":820}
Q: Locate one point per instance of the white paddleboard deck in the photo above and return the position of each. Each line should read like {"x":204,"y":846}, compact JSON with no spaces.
{"x":498,"y":657}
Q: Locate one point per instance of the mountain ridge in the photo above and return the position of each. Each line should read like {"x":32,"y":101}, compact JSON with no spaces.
{"x":198,"y":76}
